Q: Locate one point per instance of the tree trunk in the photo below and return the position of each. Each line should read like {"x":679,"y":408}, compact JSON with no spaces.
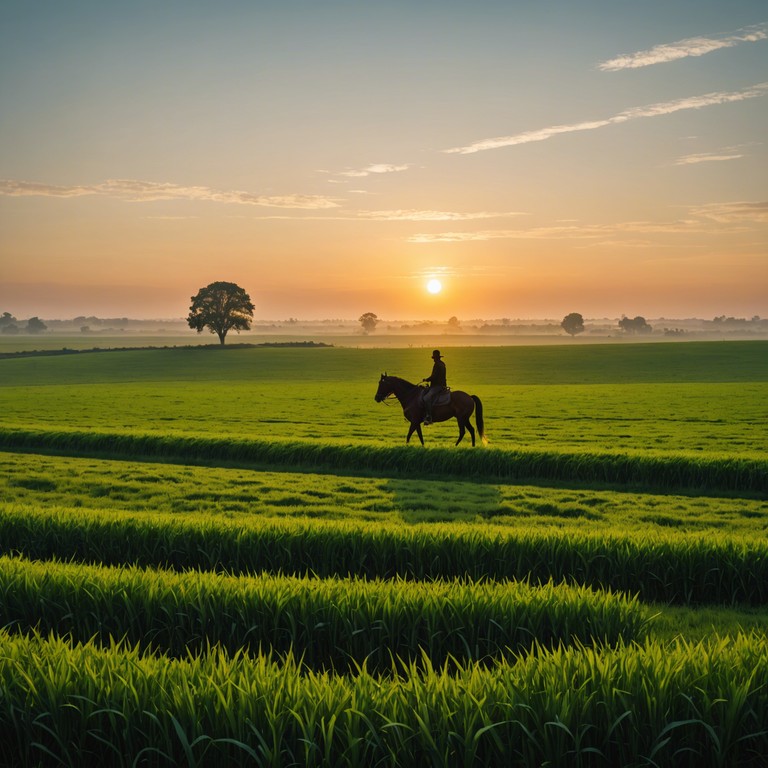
{"x":222,"y":336}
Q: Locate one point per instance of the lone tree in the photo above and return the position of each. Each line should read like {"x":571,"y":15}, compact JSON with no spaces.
{"x":220,"y":307}
{"x":368,"y":321}
{"x":573,"y":323}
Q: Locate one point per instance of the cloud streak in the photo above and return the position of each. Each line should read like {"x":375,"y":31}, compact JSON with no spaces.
{"x":634,"y":113}
{"x":415,"y":215}
{"x":707,"y":157}
{"x":376,"y":168}
{"x":135,"y":191}
{"x":734,"y":213}
{"x":692,"y":46}
{"x":727,"y":213}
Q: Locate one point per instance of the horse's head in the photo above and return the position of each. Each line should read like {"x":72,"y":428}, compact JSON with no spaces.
{"x":386,"y":388}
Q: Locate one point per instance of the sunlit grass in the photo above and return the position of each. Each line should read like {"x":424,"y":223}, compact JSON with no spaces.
{"x":50,"y":481}
{"x":263,"y":500}
{"x":660,"y":418}
{"x":667,"y":566}
{"x":332,"y":623}
{"x":696,"y":397}
{"x":714,"y":473}
{"x":702,"y":705}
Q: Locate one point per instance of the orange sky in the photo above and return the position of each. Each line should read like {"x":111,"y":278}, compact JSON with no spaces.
{"x":331,"y":158}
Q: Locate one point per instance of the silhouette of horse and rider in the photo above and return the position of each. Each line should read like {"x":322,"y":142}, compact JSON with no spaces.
{"x":434,"y":403}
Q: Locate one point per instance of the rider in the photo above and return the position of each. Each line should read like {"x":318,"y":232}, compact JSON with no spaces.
{"x":437,"y":384}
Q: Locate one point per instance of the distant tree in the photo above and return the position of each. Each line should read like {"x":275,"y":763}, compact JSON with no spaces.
{"x":9,"y":328}
{"x":634,"y":325}
{"x":35,"y":325}
{"x":6,"y":319}
{"x":220,"y":307}
{"x":368,"y":321}
{"x":453,"y":322}
{"x":573,"y":323}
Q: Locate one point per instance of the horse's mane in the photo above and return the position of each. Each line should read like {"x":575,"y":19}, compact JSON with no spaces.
{"x":399,"y":378}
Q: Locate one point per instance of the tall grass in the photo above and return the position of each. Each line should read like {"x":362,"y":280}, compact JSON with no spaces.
{"x":329,"y":623}
{"x":705,"y":474}
{"x":666,"y":567}
{"x":701,"y":705}
{"x":51,"y":481}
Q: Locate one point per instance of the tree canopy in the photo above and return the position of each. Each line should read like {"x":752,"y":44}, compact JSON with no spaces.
{"x":369,"y":321}
{"x":635,"y":325}
{"x":573,"y":323}
{"x":36,"y":325}
{"x":220,"y":307}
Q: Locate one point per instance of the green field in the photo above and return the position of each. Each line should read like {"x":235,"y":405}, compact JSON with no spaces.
{"x":229,"y":556}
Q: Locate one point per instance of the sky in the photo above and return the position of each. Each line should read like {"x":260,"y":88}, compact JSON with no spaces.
{"x":603,"y":157}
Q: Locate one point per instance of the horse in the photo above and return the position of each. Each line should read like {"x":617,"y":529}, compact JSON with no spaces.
{"x":460,"y":406}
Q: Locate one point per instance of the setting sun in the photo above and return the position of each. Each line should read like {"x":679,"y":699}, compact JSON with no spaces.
{"x":354,"y":185}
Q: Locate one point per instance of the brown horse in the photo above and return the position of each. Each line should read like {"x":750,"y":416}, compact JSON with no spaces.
{"x":460,"y":407}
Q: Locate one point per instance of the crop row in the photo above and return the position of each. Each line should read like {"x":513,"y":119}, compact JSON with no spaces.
{"x":665,"y":567}
{"x":696,"y":705}
{"x":705,"y":473}
{"x":50,"y":481}
{"x":329,"y":623}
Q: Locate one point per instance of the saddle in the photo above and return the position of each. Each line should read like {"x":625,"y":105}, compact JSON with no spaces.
{"x":442,"y":399}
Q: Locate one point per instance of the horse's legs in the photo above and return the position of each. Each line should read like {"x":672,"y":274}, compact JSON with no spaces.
{"x":415,"y":427}
{"x":464,"y":425}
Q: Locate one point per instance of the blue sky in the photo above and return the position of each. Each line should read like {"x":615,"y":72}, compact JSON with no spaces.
{"x":537,"y":158}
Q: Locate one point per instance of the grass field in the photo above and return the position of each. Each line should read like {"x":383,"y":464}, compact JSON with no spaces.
{"x":228,"y":556}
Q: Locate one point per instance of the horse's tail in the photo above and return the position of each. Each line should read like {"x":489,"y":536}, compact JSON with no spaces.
{"x":479,"y":419}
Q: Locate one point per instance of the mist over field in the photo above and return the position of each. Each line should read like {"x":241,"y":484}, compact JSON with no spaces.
{"x":117,"y":332}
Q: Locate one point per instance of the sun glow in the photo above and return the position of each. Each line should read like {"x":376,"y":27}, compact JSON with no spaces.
{"x":434,"y":286}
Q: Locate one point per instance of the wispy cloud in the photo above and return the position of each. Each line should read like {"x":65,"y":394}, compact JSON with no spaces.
{"x":30,"y":188}
{"x":135,"y":191}
{"x":696,"y":223}
{"x":376,"y":168}
{"x":634,"y":113}
{"x":707,"y":157}
{"x":692,"y":46}
{"x":415,"y":215}
{"x":738,"y":212}
{"x":399,"y":215}
{"x":170,"y":218}
{"x":536,"y":233}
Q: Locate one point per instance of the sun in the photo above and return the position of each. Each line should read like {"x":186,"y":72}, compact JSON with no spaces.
{"x":434,"y":286}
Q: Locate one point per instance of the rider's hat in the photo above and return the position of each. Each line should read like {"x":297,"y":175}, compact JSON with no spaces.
{"x":436,"y":354}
